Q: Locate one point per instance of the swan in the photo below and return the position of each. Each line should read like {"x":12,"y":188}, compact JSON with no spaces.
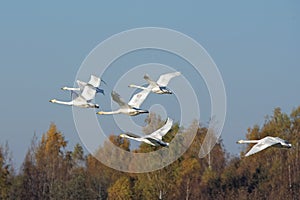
{"x":82,"y":100}
{"x":132,"y":108}
{"x":155,"y":138}
{"x":94,"y":82}
{"x":265,"y":143}
{"x":158,"y":87}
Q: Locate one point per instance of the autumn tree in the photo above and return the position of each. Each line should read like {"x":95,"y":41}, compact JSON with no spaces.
{"x":121,"y":189}
{"x":6,"y":172}
{"x":101,"y":177}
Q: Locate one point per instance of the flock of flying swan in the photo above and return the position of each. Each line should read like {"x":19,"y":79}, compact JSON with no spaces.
{"x":86,"y":92}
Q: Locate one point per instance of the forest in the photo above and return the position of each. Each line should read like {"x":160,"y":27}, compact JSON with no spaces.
{"x":51,"y":171}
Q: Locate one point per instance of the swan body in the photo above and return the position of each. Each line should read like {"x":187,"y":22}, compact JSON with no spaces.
{"x":159,"y":87}
{"x":265,"y":143}
{"x":132,"y":108}
{"x":155,"y":138}
{"x":94,"y":83}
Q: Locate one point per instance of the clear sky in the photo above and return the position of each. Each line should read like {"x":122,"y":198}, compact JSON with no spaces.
{"x":255,"y":45}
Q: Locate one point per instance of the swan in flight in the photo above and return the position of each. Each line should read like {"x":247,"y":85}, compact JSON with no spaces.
{"x":158,"y":87}
{"x":265,"y":143}
{"x":94,"y":82}
{"x":132,"y":108}
{"x":82,"y":100}
{"x":155,"y":138}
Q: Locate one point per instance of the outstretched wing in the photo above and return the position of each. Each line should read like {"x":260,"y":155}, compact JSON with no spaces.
{"x":137,"y":99}
{"x":88,"y":93}
{"x":117,"y":98}
{"x":150,"y":81}
{"x":94,"y":81}
{"x":158,"y":134}
{"x":263,"y":144}
{"x":81,"y":84}
{"x":165,"y":78}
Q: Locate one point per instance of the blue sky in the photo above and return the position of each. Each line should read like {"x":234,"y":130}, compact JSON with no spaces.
{"x":255,"y":45}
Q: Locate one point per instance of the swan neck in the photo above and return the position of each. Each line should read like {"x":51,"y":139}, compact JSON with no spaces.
{"x":71,"y":89}
{"x":69,"y":103}
{"x":139,"y":87}
{"x":109,"y":112}
{"x":248,"y":141}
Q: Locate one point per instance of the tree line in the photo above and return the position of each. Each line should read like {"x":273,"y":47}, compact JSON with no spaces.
{"x":50,"y":171}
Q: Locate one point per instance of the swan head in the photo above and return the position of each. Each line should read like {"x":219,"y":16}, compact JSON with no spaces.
{"x":52,"y":100}
{"x":131,"y":85}
{"x":96,"y":106}
{"x":240,"y":142}
{"x":100,"y":113}
{"x":287,"y":144}
{"x":123,"y":135}
{"x":64,"y":88}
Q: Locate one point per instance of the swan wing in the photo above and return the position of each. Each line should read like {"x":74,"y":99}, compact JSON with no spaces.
{"x":79,"y":100}
{"x":88,"y":93}
{"x":158,"y":134}
{"x":263,"y":144}
{"x":94,"y":81}
{"x":165,"y":78}
{"x":117,"y":98}
{"x":150,"y":81}
{"x":137,"y":99}
{"x":81,"y":84}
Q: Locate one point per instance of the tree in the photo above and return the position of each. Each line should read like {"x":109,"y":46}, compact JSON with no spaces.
{"x":6,"y":172}
{"x":121,"y":189}
{"x":46,"y":167}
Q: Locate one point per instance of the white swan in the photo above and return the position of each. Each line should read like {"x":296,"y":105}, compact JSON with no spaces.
{"x":94,"y":82}
{"x":82,"y":100}
{"x":155,"y":138}
{"x":265,"y":143}
{"x":158,"y":87}
{"x":132,"y":108}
